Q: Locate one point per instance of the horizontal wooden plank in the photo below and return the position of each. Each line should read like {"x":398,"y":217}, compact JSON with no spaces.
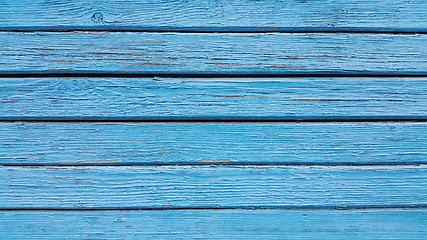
{"x":168,"y":97}
{"x":213,"y":143}
{"x":224,"y":224}
{"x":214,"y":13}
{"x":133,"y":52}
{"x":207,"y":187}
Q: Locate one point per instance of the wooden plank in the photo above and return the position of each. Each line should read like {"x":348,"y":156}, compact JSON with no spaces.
{"x":212,"y":143}
{"x":212,"y":187}
{"x":165,"y":97}
{"x":395,"y":13}
{"x":134,"y":52}
{"x":211,"y":224}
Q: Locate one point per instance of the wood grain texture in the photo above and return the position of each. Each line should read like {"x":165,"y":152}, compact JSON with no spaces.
{"x":162,"y":97}
{"x":395,"y":13}
{"x":375,"y":171}
{"x":133,"y":52}
{"x":205,"y":186}
{"x":211,"y":224}
{"x":192,"y":143}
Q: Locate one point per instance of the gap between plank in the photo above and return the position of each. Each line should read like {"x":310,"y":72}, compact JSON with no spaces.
{"x":255,"y":207}
{"x":215,"y":74}
{"x":231,"y":29}
{"x":216,"y":164}
{"x":218,"y":119}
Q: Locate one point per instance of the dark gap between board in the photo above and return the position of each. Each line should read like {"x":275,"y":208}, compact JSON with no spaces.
{"x":230,"y":29}
{"x":255,"y":207}
{"x":219,"y":119}
{"x":215,"y":74}
{"x":217,"y":164}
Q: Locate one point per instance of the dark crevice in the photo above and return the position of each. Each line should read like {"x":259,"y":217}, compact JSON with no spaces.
{"x":98,"y":18}
{"x":212,"y":74}
{"x":214,"y":119}
{"x":254,"y":207}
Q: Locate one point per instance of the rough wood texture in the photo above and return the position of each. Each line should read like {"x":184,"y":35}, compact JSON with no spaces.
{"x":212,"y":224}
{"x":215,"y":13}
{"x":192,"y":143}
{"x":129,"y":52}
{"x":179,"y":186}
{"x":374,"y":172}
{"x":213,"y":97}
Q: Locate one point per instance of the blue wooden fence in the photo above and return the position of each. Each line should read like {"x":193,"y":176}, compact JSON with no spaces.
{"x":213,"y":119}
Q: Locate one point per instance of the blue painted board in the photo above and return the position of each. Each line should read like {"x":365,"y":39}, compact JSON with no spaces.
{"x":292,"y":173}
{"x":136,"y":52}
{"x":169,"y":97}
{"x":396,"y":13}
{"x":213,"y":143}
{"x":213,"y":224}
{"x":212,"y":187}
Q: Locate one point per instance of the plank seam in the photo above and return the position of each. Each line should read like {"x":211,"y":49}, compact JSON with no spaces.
{"x":230,"y":29}
{"x":216,"y":164}
{"x":217,"y":74}
{"x":255,"y":207}
{"x":216,"y":119}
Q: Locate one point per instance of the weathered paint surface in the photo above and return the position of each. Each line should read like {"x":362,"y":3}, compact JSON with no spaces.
{"x":121,"y":97}
{"x":198,"y":143}
{"x":293,"y":176}
{"x":129,"y":52}
{"x":213,"y":224}
{"x":266,"y":13}
{"x":222,"y":186}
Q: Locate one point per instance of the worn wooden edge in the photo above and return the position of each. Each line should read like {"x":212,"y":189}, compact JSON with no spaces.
{"x":158,"y":188}
{"x":211,"y":99}
{"x":266,"y":13}
{"x":198,"y":55}
{"x":215,"y":224}
{"x":214,"y":29}
{"x":211,"y":144}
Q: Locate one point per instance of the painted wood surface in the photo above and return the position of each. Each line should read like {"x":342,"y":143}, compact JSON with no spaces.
{"x":130,"y":52}
{"x":198,"y":143}
{"x":212,"y":187}
{"x":213,"y":224}
{"x":163,"y":97}
{"x":193,"y":143}
{"x":243,"y":180}
{"x":396,"y":13}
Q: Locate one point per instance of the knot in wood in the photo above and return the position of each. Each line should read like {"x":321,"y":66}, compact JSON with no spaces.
{"x":97,"y":18}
